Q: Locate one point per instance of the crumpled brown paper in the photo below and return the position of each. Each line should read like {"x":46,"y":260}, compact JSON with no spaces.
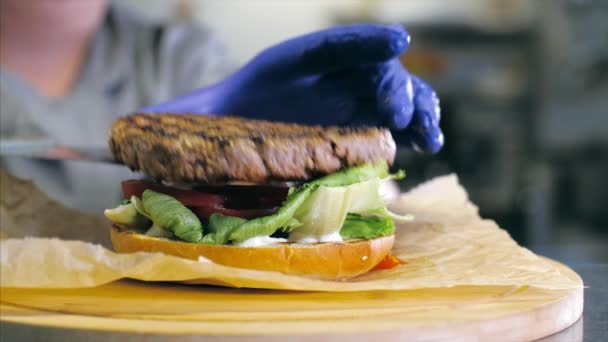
{"x":27,"y":211}
{"x":447,"y":245}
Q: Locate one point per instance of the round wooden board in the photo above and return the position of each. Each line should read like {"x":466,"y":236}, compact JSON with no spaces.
{"x":138,"y":311}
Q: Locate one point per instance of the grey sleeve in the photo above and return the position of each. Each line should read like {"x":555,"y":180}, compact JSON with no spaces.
{"x":15,"y":113}
{"x":197,"y":59}
{"x":179,"y":59}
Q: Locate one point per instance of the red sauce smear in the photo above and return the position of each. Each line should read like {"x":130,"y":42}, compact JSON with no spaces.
{"x":389,"y":262}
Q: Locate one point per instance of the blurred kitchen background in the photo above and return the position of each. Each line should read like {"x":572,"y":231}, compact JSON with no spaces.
{"x":524,"y":93}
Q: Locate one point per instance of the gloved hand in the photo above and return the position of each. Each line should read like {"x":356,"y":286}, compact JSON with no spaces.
{"x":343,"y":75}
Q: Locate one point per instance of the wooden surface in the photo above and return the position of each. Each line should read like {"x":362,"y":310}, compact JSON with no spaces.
{"x":138,"y":311}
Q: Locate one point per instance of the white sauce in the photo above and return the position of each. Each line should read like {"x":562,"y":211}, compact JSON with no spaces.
{"x":203,"y":259}
{"x":332,"y":237}
{"x":260,"y":241}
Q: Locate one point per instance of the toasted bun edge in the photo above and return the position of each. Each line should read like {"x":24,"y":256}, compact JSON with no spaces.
{"x":330,"y":261}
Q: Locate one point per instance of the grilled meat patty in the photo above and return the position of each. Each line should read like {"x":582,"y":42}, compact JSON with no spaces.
{"x":198,"y":148}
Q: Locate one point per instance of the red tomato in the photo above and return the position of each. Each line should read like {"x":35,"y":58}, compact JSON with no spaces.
{"x":245,"y":201}
{"x":189,"y":198}
{"x":248,"y":196}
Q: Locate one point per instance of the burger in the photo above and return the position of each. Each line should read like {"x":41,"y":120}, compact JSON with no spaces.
{"x":255,"y":194}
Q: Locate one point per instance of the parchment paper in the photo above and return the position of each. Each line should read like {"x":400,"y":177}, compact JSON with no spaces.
{"x":447,"y":245}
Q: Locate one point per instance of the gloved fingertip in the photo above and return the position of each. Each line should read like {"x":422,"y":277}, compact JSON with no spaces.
{"x":401,"y":119}
{"x":375,"y":43}
{"x":429,"y":141}
{"x":403,"y":37}
{"x":423,"y":134}
{"x":397,"y":105}
{"x":396,"y":26}
{"x":434,"y":144}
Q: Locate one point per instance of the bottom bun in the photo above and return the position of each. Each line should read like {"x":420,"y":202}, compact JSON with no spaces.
{"x":323,"y":260}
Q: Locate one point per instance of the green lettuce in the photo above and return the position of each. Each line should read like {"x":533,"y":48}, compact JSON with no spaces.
{"x":168,"y":213}
{"x":139,"y":206}
{"x":267,"y":225}
{"x":325,"y":211}
{"x":158,"y":231}
{"x":355,"y":174}
{"x":220,"y":227}
{"x":346,"y":203}
{"x":127,"y":215}
{"x":366,"y":227}
{"x":312,"y":206}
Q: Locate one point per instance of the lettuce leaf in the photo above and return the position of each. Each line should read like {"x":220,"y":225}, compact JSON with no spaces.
{"x":366,"y":227}
{"x":158,"y":231}
{"x":318,"y":203}
{"x":325,"y":211}
{"x":355,"y":175}
{"x":168,"y":213}
{"x":139,"y":206}
{"x":346,"y":203}
{"x":267,"y":225}
{"x":220,"y":227}
{"x":127,"y":215}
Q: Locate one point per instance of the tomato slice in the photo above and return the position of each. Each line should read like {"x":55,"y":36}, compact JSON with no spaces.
{"x":248,"y":196}
{"x":245,"y":201}
{"x":189,"y":198}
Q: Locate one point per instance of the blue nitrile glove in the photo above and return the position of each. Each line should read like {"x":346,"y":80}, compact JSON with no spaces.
{"x":343,"y":75}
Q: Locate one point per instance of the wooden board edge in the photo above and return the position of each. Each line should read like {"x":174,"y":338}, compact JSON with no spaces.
{"x":530,"y":325}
